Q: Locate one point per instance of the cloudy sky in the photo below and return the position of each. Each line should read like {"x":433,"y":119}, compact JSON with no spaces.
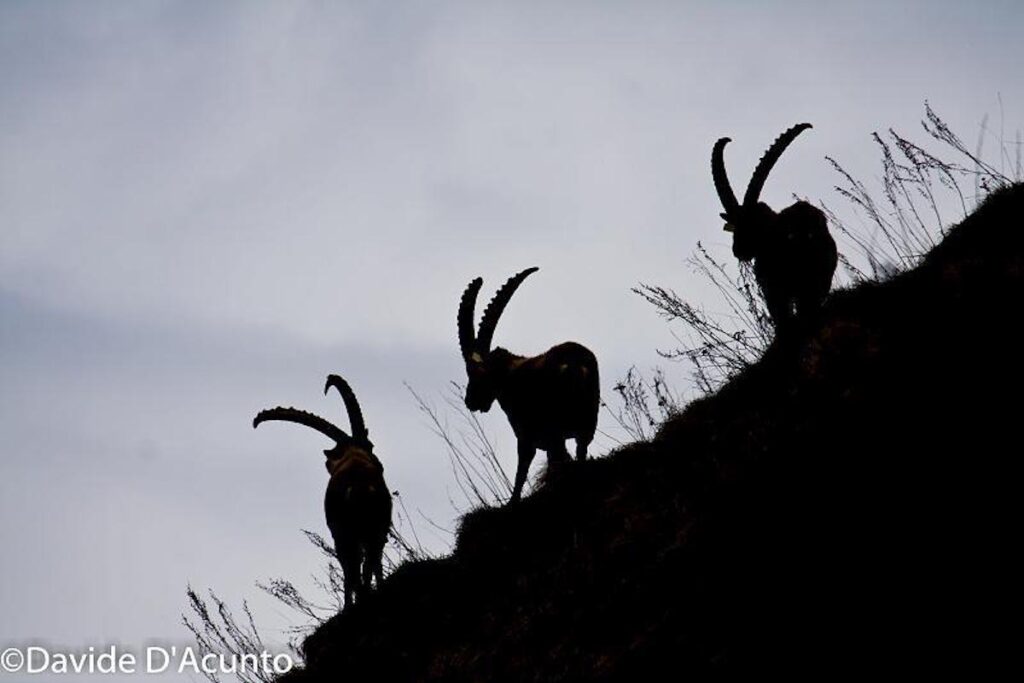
{"x":207,"y":207}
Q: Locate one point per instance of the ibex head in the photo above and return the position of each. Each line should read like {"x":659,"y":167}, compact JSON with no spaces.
{"x":749,"y":222}
{"x":485,"y":367}
{"x":360,"y":437}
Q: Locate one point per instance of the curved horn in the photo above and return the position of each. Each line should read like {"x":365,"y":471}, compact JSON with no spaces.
{"x":764,"y":166}
{"x":355,"y":414}
{"x":467,"y":309}
{"x":493,"y":311}
{"x":303,"y":418}
{"x":722,"y":186}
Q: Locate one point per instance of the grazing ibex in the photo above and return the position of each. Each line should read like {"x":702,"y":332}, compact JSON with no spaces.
{"x":357,"y":503}
{"x":547,"y":398}
{"x":794,"y":255}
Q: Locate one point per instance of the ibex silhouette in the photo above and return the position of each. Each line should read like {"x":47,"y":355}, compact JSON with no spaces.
{"x":547,"y":398}
{"x":357,"y":503}
{"x":794,"y":255}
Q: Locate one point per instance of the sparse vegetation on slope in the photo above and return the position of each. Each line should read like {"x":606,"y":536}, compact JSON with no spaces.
{"x":847,"y":503}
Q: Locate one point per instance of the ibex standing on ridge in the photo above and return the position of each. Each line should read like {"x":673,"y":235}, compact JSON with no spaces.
{"x":794,"y":255}
{"x":547,"y":398}
{"x":357,"y":503}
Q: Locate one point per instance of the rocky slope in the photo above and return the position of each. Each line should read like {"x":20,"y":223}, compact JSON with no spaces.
{"x":848,"y":504}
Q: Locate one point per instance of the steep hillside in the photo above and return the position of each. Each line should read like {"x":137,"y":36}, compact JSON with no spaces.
{"x":850,"y":503}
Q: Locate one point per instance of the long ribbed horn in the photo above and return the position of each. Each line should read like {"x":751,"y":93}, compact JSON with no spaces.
{"x":355,"y":414}
{"x":303,"y":418}
{"x":722,"y":186}
{"x":764,"y":166}
{"x":494,"y":309}
{"x":467,"y":310}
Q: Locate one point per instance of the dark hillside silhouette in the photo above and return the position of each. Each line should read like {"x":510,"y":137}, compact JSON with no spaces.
{"x":849,"y":503}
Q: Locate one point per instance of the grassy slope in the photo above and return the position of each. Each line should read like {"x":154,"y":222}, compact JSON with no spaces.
{"x":850,"y":502}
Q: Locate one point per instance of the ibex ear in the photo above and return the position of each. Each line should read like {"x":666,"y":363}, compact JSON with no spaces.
{"x":729,"y":227}
{"x":476,"y":357}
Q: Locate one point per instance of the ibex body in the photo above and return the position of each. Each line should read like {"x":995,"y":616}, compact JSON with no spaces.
{"x":547,"y":398}
{"x":357,"y":503}
{"x":793,"y":253}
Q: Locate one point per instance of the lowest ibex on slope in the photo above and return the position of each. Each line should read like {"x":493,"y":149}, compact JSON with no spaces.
{"x":357,"y":503}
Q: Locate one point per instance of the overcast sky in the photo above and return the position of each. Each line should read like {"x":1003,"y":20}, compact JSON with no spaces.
{"x":207,"y":207}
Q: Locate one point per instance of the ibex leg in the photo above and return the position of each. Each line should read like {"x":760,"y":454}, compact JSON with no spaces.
{"x":376,"y":561}
{"x":526,"y":453}
{"x":369,"y":564}
{"x":558,"y":454}
{"x":350,"y":558}
{"x":581,"y":447}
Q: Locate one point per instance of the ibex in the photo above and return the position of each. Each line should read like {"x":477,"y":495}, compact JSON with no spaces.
{"x":794,"y":255}
{"x":357,"y":503}
{"x":547,"y":398}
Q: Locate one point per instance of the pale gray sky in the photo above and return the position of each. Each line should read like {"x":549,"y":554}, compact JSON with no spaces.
{"x":207,"y":207}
